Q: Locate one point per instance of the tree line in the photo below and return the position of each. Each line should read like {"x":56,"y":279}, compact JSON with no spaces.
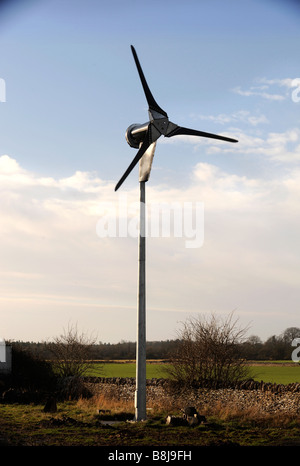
{"x":276,"y":347}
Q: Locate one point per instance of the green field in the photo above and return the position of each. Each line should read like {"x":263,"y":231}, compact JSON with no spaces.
{"x":128,"y":370}
{"x":283,"y":374}
{"x":277,"y":373}
{"x":102,"y":421}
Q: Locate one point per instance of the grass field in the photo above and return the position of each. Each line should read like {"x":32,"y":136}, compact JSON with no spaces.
{"x":101,"y":421}
{"x":78,"y":424}
{"x":128,"y":370}
{"x":283,"y":374}
{"x":275,"y":373}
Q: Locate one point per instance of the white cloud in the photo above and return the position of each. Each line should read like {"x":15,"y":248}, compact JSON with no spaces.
{"x":268,"y":88}
{"x":53,"y":261}
{"x":286,"y":82}
{"x":9,"y":165}
{"x":82,"y":181}
{"x":243,"y":116}
{"x":281,"y":147}
{"x":254,"y":91}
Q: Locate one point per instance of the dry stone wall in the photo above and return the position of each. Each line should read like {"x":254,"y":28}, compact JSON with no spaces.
{"x":265,"y":397}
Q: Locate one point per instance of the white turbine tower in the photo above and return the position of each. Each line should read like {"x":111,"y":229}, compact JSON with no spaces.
{"x":144,"y":137}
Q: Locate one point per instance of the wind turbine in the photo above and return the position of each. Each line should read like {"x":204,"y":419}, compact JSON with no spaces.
{"x":144,"y":137}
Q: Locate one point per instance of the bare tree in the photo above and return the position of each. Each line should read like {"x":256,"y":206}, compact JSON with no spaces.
{"x":208,"y":352}
{"x":289,"y":334}
{"x":71,"y":352}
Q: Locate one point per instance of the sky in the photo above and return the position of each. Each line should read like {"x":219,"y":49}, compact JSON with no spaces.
{"x":69,"y":89}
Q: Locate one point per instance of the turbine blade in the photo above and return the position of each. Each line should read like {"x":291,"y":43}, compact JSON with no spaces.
{"x":150,"y":99}
{"x":146,"y":143}
{"x":192,"y":132}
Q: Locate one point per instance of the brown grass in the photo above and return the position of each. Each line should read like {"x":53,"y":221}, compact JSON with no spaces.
{"x":115,"y":405}
{"x":105,"y":403}
{"x":220,"y":411}
{"x":252,"y":415}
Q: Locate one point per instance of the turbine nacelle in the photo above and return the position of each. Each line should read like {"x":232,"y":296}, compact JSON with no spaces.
{"x":135,"y":134}
{"x":144,"y":136}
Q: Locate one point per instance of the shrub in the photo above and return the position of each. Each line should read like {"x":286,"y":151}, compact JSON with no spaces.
{"x":29,"y":371}
{"x":72,"y":388}
{"x":71,"y":353}
{"x":208,"y":353}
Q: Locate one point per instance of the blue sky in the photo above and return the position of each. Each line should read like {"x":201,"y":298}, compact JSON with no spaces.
{"x":72,"y":89}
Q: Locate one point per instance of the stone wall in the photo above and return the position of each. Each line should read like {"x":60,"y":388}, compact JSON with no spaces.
{"x":260,"y":396}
